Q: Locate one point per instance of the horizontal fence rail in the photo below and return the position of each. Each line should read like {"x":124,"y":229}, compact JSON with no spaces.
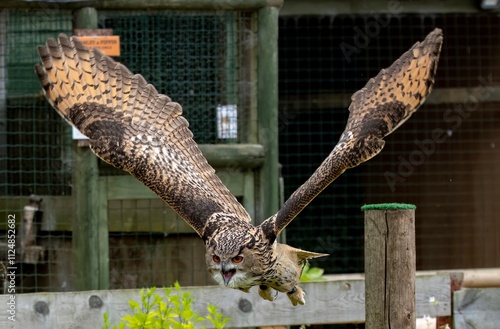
{"x":476,"y":308}
{"x":338,"y":299}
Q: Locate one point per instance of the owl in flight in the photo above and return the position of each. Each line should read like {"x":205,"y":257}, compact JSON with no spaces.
{"x":134,"y":128}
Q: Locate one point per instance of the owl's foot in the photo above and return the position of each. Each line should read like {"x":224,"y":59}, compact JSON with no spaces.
{"x":267,"y":293}
{"x":296,"y":296}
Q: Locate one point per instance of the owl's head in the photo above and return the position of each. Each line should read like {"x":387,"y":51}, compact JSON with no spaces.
{"x":231,"y":259}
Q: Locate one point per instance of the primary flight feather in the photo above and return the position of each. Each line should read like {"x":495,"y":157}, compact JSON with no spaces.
{"x":136,"y":129}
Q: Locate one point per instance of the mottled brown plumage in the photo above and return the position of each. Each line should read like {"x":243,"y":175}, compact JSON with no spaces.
{"x":134,"y":128}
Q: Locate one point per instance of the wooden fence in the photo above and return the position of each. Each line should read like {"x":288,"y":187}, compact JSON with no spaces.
{"x":339,"y":299}
{"x":459,"y":299}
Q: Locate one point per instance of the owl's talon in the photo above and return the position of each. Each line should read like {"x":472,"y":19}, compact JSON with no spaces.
{"x":296,"y":296}
{"x":266,"y":293}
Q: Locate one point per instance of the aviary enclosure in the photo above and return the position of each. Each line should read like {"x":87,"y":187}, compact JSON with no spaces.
{"x":280,"y":76}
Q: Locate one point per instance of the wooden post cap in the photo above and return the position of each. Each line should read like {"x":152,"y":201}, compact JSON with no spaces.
{"x":388,"y":206}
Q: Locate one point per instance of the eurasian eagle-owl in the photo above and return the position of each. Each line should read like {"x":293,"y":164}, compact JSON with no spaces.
{"x":134,"y":128}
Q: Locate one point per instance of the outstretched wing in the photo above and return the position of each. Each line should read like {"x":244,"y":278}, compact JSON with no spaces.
{"x":134,"y":128}
{"x":386,"y":102}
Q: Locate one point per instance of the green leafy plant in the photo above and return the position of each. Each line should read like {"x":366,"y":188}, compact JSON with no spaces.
{"x":173,"y":311}
{"x":312,"y":274}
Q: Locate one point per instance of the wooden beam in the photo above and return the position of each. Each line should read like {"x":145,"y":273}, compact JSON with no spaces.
{"x":248,"y":82}
{"x":476,"y":277}
{"x":86,"y":18}
{"x":233,"y":156}
{"x":85,"y":221}
{"x":125,"y":187}
{"x":145,"y":5}
{"x":3,"y":101}
{"x":476,"y":308}
{"x":333,"y":301}
{"x":90,"y":247}
{"x":348,"y":7}
{"x":248,"y":202}
{"x":102,"y":237}
{"x":267,"y":104}
{"x":299,"y":103}
{"x":244,"y":156}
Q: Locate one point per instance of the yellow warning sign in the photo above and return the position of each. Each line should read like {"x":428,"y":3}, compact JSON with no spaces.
{"x":108,"y":44}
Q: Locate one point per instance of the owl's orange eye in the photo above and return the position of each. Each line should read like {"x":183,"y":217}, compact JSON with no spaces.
{"x":237,"y":259}
{"x":216,"y":258}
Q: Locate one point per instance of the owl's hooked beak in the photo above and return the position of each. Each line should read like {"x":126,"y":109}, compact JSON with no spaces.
{"x":226,"y":274}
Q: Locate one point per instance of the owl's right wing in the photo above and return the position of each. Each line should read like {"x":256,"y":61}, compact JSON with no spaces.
{"x":385,"y":103}
{"x":134,"y":128}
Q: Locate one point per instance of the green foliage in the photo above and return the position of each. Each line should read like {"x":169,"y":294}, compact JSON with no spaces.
{"x":312,"y":274}
{"x":174,"y":311}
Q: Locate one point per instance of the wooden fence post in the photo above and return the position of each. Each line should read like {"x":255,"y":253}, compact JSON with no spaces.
{"x":390,"y":266}
{"x":267,"y":107}
{"x":90,"y":232}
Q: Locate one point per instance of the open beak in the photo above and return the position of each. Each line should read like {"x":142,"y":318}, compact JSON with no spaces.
{"x":226,"y":274}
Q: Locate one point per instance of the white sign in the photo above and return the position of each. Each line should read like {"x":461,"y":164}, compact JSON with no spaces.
{"x":227,"y":121}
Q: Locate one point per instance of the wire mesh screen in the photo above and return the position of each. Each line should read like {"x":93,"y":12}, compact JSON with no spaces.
{"x":444,"y":159}
{"x":203,"y":60}
{"x":34,"y":151}
{"x":189,"y":57}
{"x":33,"y":136}
{"x":196,"y":59}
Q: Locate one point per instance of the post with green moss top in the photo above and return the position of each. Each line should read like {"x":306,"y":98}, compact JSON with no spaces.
{"x":390,"y":266}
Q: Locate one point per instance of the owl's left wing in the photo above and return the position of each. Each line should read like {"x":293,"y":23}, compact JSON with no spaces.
{"x":386,"y":102}
{"x":134,"y":128}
